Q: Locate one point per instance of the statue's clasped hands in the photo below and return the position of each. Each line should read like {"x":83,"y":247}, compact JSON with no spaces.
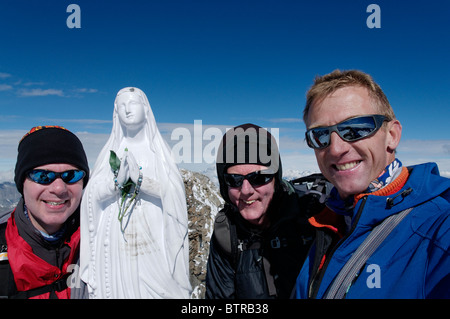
{"x":128,"y":179}
{"x":129,"y":169}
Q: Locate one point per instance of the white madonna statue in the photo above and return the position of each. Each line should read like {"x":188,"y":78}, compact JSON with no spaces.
{"x":134,"y":233}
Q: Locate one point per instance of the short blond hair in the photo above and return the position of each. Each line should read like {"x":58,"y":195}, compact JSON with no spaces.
{"x":329,"y":83}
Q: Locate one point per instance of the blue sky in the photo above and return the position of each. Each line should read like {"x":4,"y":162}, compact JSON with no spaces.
{"x":222,"y":62}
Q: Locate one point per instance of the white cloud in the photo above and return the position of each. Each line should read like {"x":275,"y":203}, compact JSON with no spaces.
{"x":92,"y":144}
{"x":8,"y":118}
{"x":445,"y":174}
{"x":48,"y":92}
{"x":40,"y":92}
{"x":85,"y":90}
{"x":24,"y":88}
{"x":7,"y":176}
{"x":34,"y":83}
{"x":8,"y":156}
{"x":5,"y":87}
{"x":286,"y":120}
{"x":78,"y":121}
{"x":4,"y":75}
{"x":425,"y":147}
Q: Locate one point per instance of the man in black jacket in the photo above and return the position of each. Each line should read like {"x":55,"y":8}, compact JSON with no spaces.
{"x":261,"y":236}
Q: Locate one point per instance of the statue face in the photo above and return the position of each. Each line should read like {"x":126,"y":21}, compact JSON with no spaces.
{"x":131,"y":110}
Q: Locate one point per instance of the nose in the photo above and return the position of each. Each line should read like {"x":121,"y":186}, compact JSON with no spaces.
{"x":337,"y":145}
{"x":58,"y":187}
{"x":127,"y":108}
{"x":247,"y":188}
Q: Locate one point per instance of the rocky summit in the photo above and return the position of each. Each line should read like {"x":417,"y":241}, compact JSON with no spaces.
{"x":203,"y":202}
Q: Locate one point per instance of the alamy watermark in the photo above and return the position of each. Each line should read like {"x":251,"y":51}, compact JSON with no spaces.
{"x":74,"y":19}
{"x":374,"y":19}
{"x":203,"y":145}
{"x":374,"y":279}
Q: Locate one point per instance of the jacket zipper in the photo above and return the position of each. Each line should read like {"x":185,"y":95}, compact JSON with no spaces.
{"x":313,"y":294}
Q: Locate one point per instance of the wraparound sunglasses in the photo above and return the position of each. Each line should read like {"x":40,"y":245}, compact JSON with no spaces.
{"x":257,"y":178}
{"x":45,"y":177}
{"x":350,"y":130}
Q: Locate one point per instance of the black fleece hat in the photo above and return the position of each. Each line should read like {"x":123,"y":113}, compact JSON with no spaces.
{"x":44,"y":145}
{"x":247,"y":144}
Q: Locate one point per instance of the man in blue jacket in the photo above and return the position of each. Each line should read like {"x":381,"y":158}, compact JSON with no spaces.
{"x":370,"y":243}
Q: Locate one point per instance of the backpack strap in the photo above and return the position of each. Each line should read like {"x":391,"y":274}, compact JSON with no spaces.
{"x":226,"y":236}
{"x":58,"y":285}
{"x":348,"y":273}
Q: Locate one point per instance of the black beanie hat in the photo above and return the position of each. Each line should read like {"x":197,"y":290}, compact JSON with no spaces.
{"x":44,"y":145}
{"x":247,"y":144}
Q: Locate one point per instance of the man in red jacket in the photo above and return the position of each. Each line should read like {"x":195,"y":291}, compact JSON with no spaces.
{"x":40,"y":240}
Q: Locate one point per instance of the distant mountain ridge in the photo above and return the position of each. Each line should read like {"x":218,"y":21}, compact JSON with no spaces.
{"x":9,"y":197}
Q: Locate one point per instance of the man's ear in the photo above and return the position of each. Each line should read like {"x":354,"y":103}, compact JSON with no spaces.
{"x":394,"y":133}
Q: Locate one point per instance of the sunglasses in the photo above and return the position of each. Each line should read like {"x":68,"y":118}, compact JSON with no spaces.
{"x":350,"y":130}
{"x":45,"y":177}
{"x":257,"y":178}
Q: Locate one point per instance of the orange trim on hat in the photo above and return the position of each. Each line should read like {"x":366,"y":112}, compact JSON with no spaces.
{"x":37,"y":128}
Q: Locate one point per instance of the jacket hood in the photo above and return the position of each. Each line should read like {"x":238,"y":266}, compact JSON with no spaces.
{"x":247,"y":144}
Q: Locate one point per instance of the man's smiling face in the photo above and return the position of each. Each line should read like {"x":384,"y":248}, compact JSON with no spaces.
{"x":351,"y":166}
{"x":49,"y":206}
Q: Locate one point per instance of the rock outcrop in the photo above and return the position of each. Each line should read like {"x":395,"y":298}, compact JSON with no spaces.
{"x":203,"y":202}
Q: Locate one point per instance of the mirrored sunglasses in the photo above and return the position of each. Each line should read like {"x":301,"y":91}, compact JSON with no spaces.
{"x":257,"y":178}
{"x":46,"y":177}
{"x":350,"y":130}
